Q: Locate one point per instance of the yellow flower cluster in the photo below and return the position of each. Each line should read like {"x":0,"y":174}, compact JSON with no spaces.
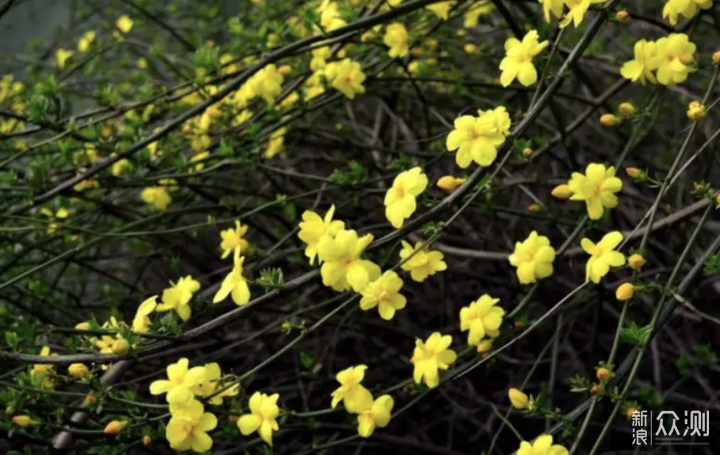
{"x":686,"y":8}
{"x":346,"y":76}
{"x":518,"y":60}
{"x":400,"y":199}
{"x":477,"y":138}
{"x":533,"y":258}
{"x":358,"y":400}
{"x":671,"y":58}
{"x":482,"y":320}
{"x":597,"y":188}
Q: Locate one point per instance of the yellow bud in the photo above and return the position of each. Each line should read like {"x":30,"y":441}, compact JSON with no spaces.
{"x":717,"y":200}
{"x":603,"y":374}
{"x":716,"y":57}
{"x":636,"y":261}
{"x":625,"y":292}
{"x":518,"y":399}
{"x":470,"y":48}
{"x":527,"y":152}
{"x":696,"y":111}
{"x":609,"y":120}
{"x":629,"y":412}
{"x":562,"y":191}
{"x":626,"y":109}
{"x":485,"y":345}
{"x":449,"y":183}
{"x":78,"y":370}
{"x":367,"y":36}
{"x":622,"y":16}
{"x":83,"y":326}
{"x":23,"y":421}
{"x":146,"y":440}
{"x":633,"y":172}
{"x":533,"y":208}
{"x":10,"y":410}
{"x":595,"y":389}
{"x":89,"y":399}
{"x":120,"y":346}
{"x":285,"y":70}
{"x":115,"y":427}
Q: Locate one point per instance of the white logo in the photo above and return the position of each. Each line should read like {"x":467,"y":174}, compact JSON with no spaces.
{"x":669,"y":429}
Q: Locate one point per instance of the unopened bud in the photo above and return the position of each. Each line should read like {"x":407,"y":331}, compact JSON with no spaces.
{"x":518,"y":399}
{"x":83,"y":326}
{"x":470,"y":49}
{"x":603,"y":374}
{"x":449,"y":183}
{"x":636,"y":261}
{"x":533,"y":208}
{"x":595,"y":389}
{"x":562,"y":191}
{"x":120,"y":346}
{"x":22,"y":421}
{"x":625,"y":292}
{"x":633,"y":172}
{"x":146,"y":440}
{"x":527,"y":152}
{"x":716,"y":57}
{"x":90,"y":399}
{"x":78,"y":370}
{"x":696,"y":111}
{"x":115,"y":427}
{"x":626,"y":109}
{"x":609,"y":120}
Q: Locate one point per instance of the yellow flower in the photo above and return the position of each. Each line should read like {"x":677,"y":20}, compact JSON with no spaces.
{"x":396,"y":38}
{"x":645,"y":62}
{"x":266,"y":84}
{"x":313,"y":229}
{"x":86,"y":41}
{"x":330,"y":16}
{"x":552,"y":6}
{"x":319,"y":57}
{"x":400,"y":198}
{"x":120,"y":346}
{"x":124,"y":23}
{"x":597,"y":188}
{"x":115,"y":426}
{"x":518,"y":59}
{"x":518,"y":399}
{"x":23,"y":421}
{"x":178,"y":296}
{"x":188,"y":427}
{"x":105,"y":344}
{"x":62,"y":56}
{"x":211,"y":385}
{"x":179,"y":383}
{"x":423,"y":264}
{"x":674,"y":54}
{"x":543,"y":445}
{"x":482,"y":318}
{"x":141,"y":322}
{"x":472,"y":16}
{"x":351,"y":392}
{"x":276,"y":142}
{"x":431,"y":356}
{"x":384,"y":293}
{"x":123,"y":166}
{"x":696,"y":111}
{"x":477,"y":138}
{"x":441,"y":9}
{"x":375,"y":414}
{"x":232,"y":239}
{"x":578,"y":8}
{"x":687,"y":8}
{"x":450,"y":183}
{"x":200,"y":158}
{"x":602,"y":256}
{"x":343,"y":269}
{"x":78,"y":370}
{"x":624,"y":292}
{"x":533,"y":258}
{"x":346,"y":76}
{"x":234,"y":284}
{"x":157,"y":196}
{"x":262,"y":418}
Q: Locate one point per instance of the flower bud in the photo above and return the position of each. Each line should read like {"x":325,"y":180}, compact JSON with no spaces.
{"x":626,"y":109}
{"x":518,"y":399}
{"x":22,"y":421}
{"x":89,"y":399}
{"x":625,"y":292}
{"x":633,"y":172}
{"x":470,"y":48}
{"x":603,"y":374}
{"x":533,"y":208}
{"x":284,"y":70}
{"x":10,"y":410}
{"x":146,"y":440}
{"x":622,"y":16}
{"x":716,"y":57}
{"x":115,"y":427}
{"x":367,"y":36}
{"x":527,"y":152}
{"x":485,"y":345}
{"x":636,"y":261}
{"x":595,"y":389}
{"x":78,"y":370}
{"x":696,"y":111}
{"x":609,"y":120}
{"x":519,"y":324}
{"x":449,"y":183}
{"x":630,"y":411}
{"x":83,"y":326}
{"x":562,"y":191}
{"x":120,"y":346}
